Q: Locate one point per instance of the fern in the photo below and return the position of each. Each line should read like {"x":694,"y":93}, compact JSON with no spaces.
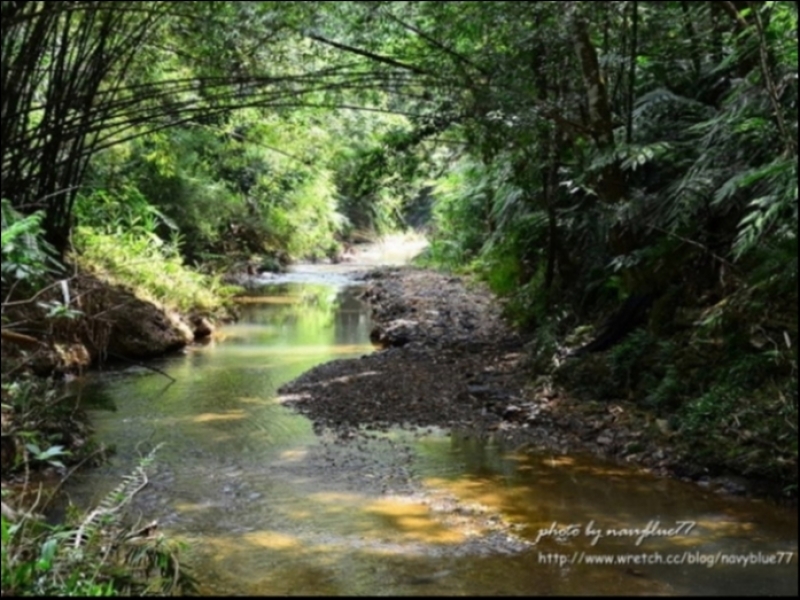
{"x":25,"y":254}
{"x":108,"y":510}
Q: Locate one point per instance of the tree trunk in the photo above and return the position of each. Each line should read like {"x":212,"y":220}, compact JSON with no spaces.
{"x":611,"y":186}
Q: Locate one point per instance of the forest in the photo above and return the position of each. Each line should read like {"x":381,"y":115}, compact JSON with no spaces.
{"x":621,"y":174}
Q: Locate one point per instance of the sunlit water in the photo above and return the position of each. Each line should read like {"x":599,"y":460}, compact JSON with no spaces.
{"x":272,"y":508}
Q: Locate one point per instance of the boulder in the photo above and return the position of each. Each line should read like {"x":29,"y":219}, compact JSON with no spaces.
{"x":202,"y":328}
{"x":395,"y":333}
{"x":141,"y":329}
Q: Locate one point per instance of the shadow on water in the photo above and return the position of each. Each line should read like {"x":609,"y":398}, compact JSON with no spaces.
{"x":271,"y":507}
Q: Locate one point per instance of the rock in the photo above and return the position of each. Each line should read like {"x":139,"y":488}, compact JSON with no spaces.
{"x":731,"y":484}
{"x":202,"y":328}
{"x":481,"y":390}
{"x":398,"y":332}
{"x":142,"y":330}
{"x":663,"y":426}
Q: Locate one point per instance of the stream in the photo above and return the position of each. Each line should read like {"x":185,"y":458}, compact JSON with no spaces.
{"x":272,"y":507}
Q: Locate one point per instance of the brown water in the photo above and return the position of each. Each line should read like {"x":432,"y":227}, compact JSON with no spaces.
{"x":273,"y":508}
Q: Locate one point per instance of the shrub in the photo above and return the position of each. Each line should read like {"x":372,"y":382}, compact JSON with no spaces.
{"x":154,"y":269}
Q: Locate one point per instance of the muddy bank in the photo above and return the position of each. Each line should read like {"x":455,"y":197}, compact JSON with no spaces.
{"x":449,"y":360}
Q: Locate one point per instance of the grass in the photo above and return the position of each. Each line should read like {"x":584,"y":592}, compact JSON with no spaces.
{"x":153,"y":269}
{"x":93,"y":553}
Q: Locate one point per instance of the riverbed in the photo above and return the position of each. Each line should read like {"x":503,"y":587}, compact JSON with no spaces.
{"x":272,"y":505}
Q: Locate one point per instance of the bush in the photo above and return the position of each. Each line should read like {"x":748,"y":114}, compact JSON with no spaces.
{"x":153,"y":269}
{"x":26,"y":256}
{"x":92,"y":554}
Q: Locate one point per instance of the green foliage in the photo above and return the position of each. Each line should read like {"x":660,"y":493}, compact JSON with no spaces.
{"x":26,"y":257}
{"x":311,"y":218}
{"x":528,"y":305}
{"x":175,"y":172}
{"x":49,"y":456}
{"x":773,"y":215}
{"x":460,"y":227}
{"x":92,"y":554}
{"x":43,"y":424}
{"x":628,"y":357}
{"x":255,"y":184}
{"x":746,"y":420}
{"x":152,"y":268}
{"x":119,"y":242}
{"x":544,"y":347}
{"x":381,"y":176}
{"x":687,"y":190}
{"x":486,"y":223}
{"x":122,"y":212}
{"x":662,"y":155}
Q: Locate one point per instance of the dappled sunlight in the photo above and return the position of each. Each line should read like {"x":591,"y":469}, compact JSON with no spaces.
{"x":413,"y":521}
{"x":299,"y":514}
{"x":393,"y":519}
{"x":479,"y":491}
{"x":295,"y":454}
{"x":255,"y":400}
{"x":723,"y":527}
{"x":347,"y":378}
{"x":280,"y":300}
{"x":193,"y":507}
{"x":552,"y":461}
{"x":235,"y":415}
{"x":273,"y":540}
{"x":616,"y":514}
{"x":603,"y":470}
{"x":346,"y":500}
{"x":283,"y":511}
{"x":578,"y":464}
{"x":287,"y":397}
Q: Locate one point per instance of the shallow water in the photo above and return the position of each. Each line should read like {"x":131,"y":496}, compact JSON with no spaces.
{"x":274,"y":508}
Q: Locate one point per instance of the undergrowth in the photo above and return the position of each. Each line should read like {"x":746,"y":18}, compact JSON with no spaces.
{"x":92,"y":553}
{"x":739,"y":417}
{"x":152,"y":268}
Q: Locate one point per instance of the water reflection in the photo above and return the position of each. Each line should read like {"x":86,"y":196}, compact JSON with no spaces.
{"x":223,"y":399}
{"x":273,"y":508}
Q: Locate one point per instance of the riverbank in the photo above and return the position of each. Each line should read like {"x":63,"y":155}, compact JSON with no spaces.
{"x":56,"y":334}
{"x":448,"y":359}
{"x":268,"y":505}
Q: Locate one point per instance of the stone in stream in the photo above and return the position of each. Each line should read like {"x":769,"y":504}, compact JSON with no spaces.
{"x":398,"y":332}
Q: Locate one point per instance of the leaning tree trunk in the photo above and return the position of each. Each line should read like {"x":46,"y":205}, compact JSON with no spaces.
{"x":611,"y":184}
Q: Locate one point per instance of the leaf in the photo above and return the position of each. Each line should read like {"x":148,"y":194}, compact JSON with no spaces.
{"x":53,"y":451}
{"x":48,"y":553}
{"x":33,"y":449}
{"x":47,"y":455}
{"x":5,"y":528}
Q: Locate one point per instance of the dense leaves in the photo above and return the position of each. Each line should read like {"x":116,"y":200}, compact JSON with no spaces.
{"x":576,"y":154}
